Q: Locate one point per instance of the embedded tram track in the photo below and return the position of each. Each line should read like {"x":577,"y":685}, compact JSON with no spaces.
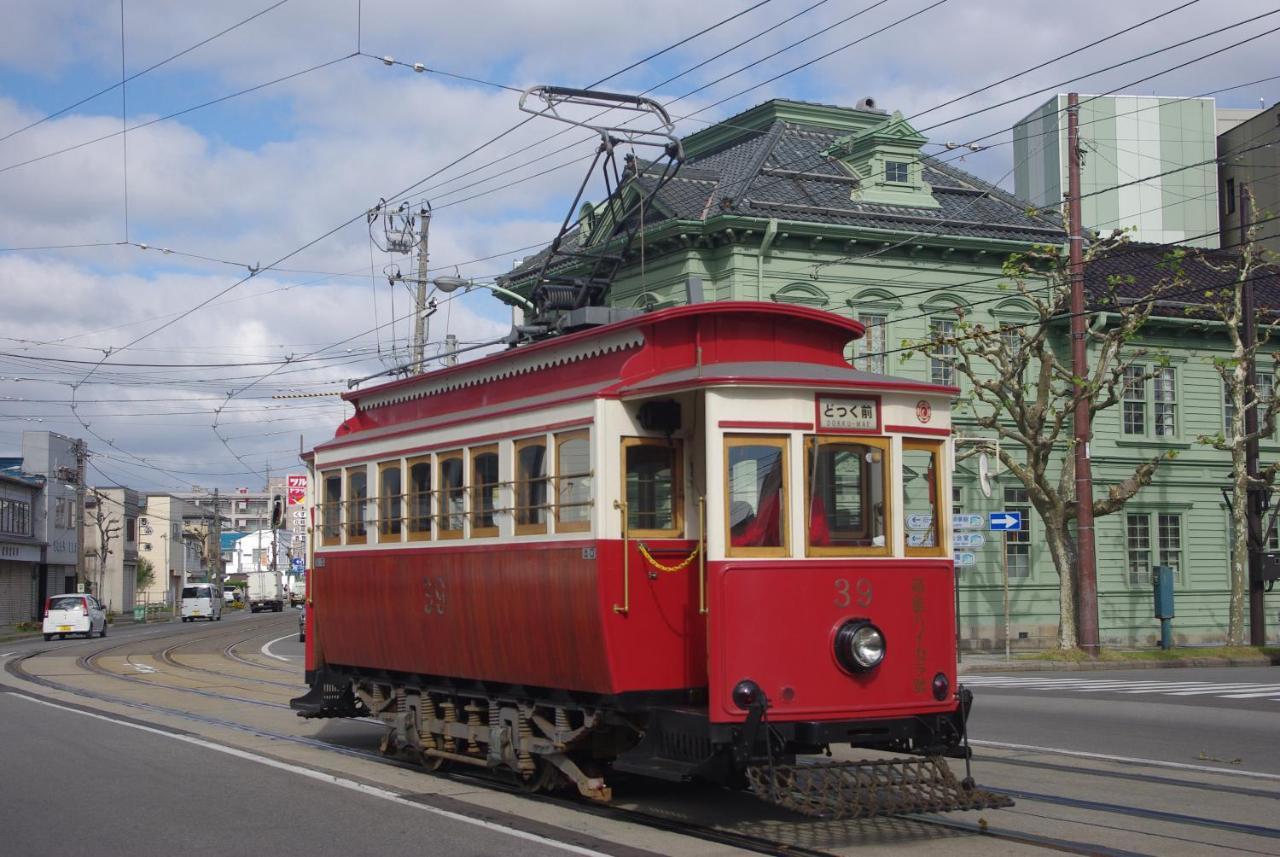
{"x":796,"y":835}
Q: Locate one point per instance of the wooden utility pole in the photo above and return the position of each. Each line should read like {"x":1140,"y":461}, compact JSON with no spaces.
{"x":216,"y":554}
{"x":1254,"y":501}
{"x":1086,"y":556}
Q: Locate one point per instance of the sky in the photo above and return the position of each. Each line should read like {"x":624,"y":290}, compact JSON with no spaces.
{"x":208,"y":279}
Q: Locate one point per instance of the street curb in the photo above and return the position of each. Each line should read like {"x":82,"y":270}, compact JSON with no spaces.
{"x":1091,"y":666}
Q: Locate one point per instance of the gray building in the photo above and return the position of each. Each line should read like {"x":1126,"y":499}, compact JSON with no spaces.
{"x":39,"y":523}
{"x":1127,"y":138}
{"x":1250,"y":157}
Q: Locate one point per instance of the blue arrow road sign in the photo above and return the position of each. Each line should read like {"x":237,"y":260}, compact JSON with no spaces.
{"x":1003,"y":521}
{"x":298,"y":564}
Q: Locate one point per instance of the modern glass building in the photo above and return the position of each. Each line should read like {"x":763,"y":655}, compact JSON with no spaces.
{"x":1148,"y":165}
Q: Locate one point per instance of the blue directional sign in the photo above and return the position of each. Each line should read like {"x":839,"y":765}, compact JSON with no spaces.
{"x":1004,"y":521}
{"x":298,"y":565}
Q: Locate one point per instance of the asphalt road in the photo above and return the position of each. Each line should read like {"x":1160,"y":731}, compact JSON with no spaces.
{"x":76,"y":784}
{"x":1220,"y":718}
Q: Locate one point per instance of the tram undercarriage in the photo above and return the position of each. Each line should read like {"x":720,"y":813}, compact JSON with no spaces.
{"x":553,"y":744}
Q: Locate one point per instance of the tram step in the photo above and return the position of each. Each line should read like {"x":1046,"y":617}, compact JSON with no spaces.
{"x":864,"y":789}
{"x":671,"y":770}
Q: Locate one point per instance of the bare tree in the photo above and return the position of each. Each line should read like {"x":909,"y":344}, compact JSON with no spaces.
{"x":108,"y":527}
{"x":1226,"y":304}
{"x":1019,"y":385}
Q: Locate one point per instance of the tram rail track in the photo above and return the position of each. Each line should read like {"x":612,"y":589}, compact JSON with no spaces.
{"x":840,"y":835}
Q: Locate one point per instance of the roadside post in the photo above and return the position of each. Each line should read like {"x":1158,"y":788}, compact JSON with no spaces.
{"x":1162,"y":583}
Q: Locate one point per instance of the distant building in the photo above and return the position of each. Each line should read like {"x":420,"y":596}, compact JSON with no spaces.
{"x":173,"y":533}
{"x":1250,"y":156}
{"x":1127,"y":138}
{"x":111,"y":515}
{"x":39,"y":537}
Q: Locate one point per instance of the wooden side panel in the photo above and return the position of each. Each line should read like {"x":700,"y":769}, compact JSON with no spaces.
{"x":775,"y":623}
{"x":526,"y":615}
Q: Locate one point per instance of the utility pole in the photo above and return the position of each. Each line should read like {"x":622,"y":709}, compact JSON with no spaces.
{"x":81,"y":450}
{"x":1254,"y":497}
{"x":420,"y":305}
{"x":1086,"y":555}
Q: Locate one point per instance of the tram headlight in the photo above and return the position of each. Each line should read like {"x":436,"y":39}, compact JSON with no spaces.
{"x":860,"y":646}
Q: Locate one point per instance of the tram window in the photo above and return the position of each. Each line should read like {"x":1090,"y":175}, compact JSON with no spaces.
{"x":756,"y":495}
{"x":921,"y":481}
{"x":573,"y":482}
{"x":484,"y":490}
{"x":419,"y":519}
{"x":357,"y":504}
{"x":845,"y":508}
{"x":531,"y":485}
{"x":331,"y":510}
{"x":390,"y":501}
{"x":451,"y":494}
{"x":653,"y":481}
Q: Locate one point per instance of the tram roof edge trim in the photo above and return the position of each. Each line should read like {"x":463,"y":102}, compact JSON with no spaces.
{"x":716,"y":308}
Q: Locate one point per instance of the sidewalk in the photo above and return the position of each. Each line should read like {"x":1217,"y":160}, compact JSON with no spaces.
{"x":975,"y":663}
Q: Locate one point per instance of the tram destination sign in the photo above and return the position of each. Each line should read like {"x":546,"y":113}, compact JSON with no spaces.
{"x":848,"y":414}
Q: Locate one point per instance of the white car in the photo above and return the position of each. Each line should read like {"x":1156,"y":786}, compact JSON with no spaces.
{"x":230,"y":594}
{"x":74,"y":613}
{"x":201,"y":601}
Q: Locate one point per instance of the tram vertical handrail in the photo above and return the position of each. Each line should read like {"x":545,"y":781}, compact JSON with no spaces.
{"x":625,"y":606}
{"x":702,"y":556}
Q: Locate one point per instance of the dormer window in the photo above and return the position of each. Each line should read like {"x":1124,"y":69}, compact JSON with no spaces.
{"x":886,"y":159}
{"x":896,"y":172}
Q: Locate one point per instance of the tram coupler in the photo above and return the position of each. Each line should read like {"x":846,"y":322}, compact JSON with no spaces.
{"x":330,"y":695}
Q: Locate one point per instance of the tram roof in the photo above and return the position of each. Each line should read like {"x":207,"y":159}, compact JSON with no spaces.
{"x":704,"y":344}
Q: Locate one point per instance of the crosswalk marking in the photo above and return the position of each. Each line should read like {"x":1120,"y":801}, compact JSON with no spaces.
{"x":1222,"y":690}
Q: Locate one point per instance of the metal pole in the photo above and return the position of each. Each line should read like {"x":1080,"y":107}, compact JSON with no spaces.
{"x":1086,"y":557}
{"x":1253,"y":506}
{"x":420,"y":308}
{"x":1004,"y":564}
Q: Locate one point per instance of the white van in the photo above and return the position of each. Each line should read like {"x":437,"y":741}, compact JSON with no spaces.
{"x":201,"y":601}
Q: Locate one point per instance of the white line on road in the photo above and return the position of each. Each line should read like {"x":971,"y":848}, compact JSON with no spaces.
{"x":373,"y":791}
{"x":999,"y":745}
{"x":6,"y":654}
{"x":266,"y":648}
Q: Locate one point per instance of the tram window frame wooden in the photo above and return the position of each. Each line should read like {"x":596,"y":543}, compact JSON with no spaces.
{"x":331,"y":528}
{"x":941,"y":516}
{"x":475,"y":488}
{"x":522,"y":507}
{"x":782,"y":442}
{"x":562,"y":524}
{"x":885,"y":446}
{"x":356,"y":519}
{"x":676,"y":445}
{"x":442,"y":491}
{"x":413,"y":531}
{"x":390,"y":527}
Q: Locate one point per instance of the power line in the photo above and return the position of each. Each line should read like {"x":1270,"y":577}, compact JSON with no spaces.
{"x":146,"y":70}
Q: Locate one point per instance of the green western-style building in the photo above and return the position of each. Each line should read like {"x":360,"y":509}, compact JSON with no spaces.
{"x":840,"y":208}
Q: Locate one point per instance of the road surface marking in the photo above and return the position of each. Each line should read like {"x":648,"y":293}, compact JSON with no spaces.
{"x":266,"y":648}
{"x":1183,"y":766}
{"x":1223,"y":690}
{"x":6,"y":654}
{"x":372,"y":791}
{"x":143,"y":668}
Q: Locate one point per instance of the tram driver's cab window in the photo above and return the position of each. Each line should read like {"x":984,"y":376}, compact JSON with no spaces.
{"x":653,"y":469}
{"x":921,"y":485}
{"x":845,"y":505}
{"x":756,"y":495}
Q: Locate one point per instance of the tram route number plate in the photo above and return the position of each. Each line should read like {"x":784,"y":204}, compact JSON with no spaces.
{"x":588,"y":553}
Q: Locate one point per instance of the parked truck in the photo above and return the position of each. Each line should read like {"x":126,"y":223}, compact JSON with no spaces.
{"x":297,"y":586}
{"x":266,"y":591}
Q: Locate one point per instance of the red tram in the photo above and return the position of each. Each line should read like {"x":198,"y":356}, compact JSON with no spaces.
{"x":692,"y":543}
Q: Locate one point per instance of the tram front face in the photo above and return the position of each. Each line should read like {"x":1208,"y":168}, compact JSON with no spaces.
{"x":831,"y":585}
